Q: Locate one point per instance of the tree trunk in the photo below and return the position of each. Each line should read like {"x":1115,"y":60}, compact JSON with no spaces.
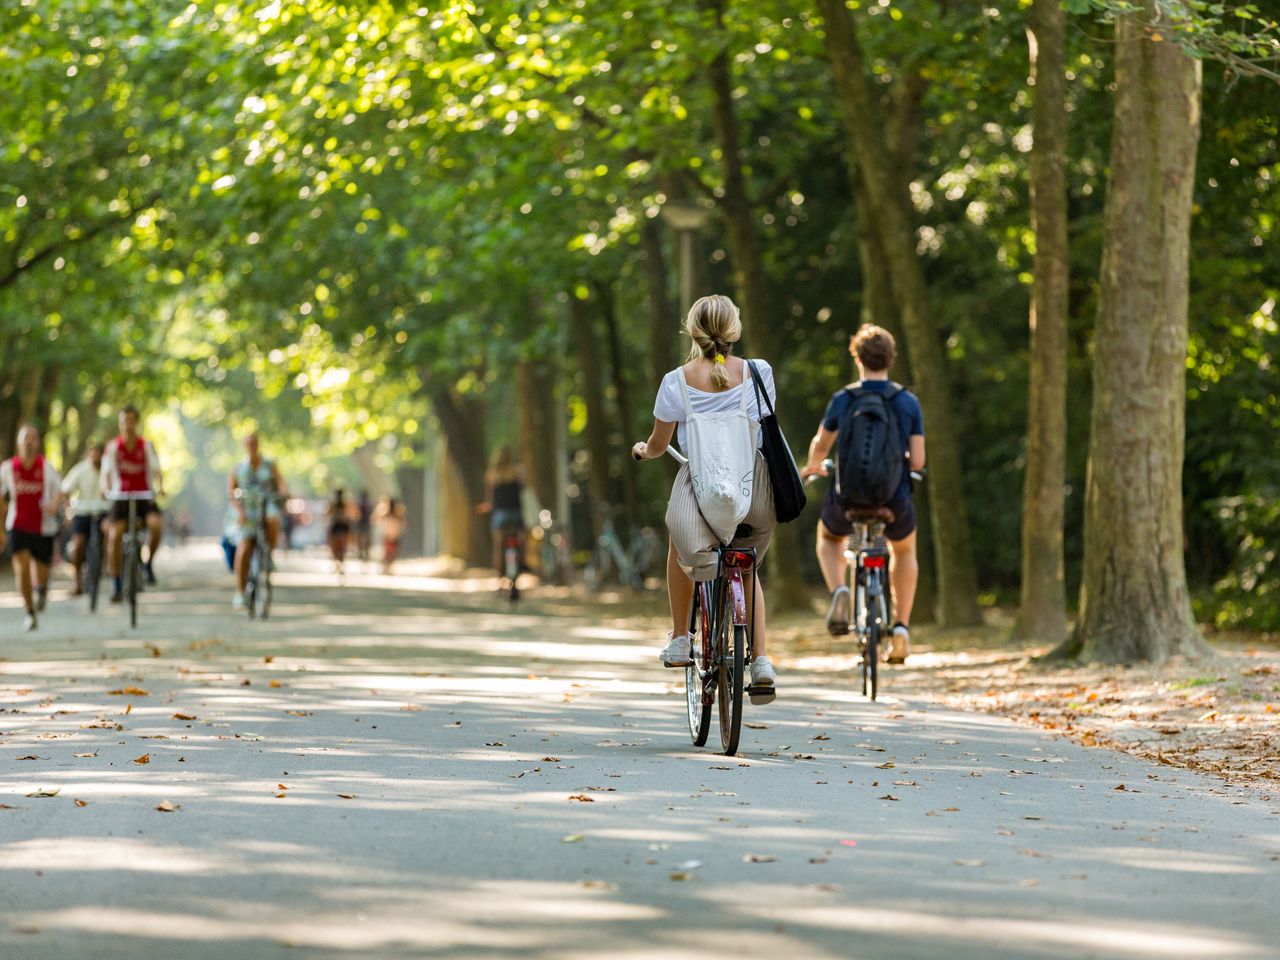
{"x":462,"y":423}
{"x":1042,"y":614}
{"x":957,"y":582}
{"x":785,"y":583}
{"x":589,"y":362}
{"x":664,"y":319}
{"x":411,"y":481}
{"x":1134,"y":603}
{"x":629,"y":430}
{"x":535,"y":407}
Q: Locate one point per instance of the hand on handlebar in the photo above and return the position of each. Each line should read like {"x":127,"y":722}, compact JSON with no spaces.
{"x":639,"y":449}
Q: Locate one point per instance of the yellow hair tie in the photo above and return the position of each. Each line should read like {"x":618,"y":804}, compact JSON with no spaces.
{"x":719,"y":358}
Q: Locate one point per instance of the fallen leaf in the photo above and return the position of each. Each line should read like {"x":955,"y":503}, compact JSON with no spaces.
{"x":7,"y":806}
{"x":275,"y":684}
{"x":45,"y":792}
{"x":168,"y":806}
{"x":128,"y":709}
{"x":822,"y":736}
{"x":758,"y":858}
{"x":299,"y":713}
{"x":145,"y":758}
{"x":905,"y":783}
{"x":971,"y":863}
{"x":887,"y":796}
{"x":572,"y":838}
{"x":268,"y":659}
{"x":1027,"y":852}
{"x":756,"y":726}
{"x":495,"y":743}
{"x":597,"y":885}
{"x":81,"y":803}
{"x":128,"y":692}
{"x":950,"y":809}
{"x":581,"y":798}
{"x":887,"y":765}
{"x":347,"y":796}
{"x":31,"y":756}
{"x":1032,"y":817}
{"x":94,"y":754}
{"x":680,"y":875}
{"x":184,"y":716}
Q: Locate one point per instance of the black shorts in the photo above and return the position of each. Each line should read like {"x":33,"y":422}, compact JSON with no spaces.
{"x":904,"y":517}
{"x":120,"y":509}
{"x":339,"y":529}
{"x":40,"y":548}
{"x":82,"y":523}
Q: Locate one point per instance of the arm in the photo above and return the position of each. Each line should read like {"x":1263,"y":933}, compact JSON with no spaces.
{"x":819,"y":447}
{"x":656,"y":445}
{"x":233,"y":487}
{"x":915,"y":451}
{"x":279,"y":481}
{"x":156,"y":474}
{"x":108,"y":470}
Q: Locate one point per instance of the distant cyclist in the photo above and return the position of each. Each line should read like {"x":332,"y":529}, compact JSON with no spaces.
{"x":504,"y":494}
{"x":873,"y":350}
{"x":30,"y":496}
{"x":255,"y":476}
{"x":339,"y":529}
{"x":83,"y":484}
{"x":130,"y":465}
{"x":712,"y":380}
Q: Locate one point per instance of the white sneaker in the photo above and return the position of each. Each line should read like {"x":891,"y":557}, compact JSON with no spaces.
{"x":838,"y":612}
{"x":763,"y":678}
{"x":899,"y":643}
{"x":678,"y":652}
{"x":29,"y":622}
{"x":237,"y":601}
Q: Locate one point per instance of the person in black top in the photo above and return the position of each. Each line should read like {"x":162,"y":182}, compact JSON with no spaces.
{"x":504,"y":490}
{"x":339,"y":528}
{"x":364,"y":525}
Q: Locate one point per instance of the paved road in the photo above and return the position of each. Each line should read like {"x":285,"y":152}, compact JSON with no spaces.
{"x":406,"y":770}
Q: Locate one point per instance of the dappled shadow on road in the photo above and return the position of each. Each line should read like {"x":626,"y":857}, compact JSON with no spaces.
{"x":392,"y":772}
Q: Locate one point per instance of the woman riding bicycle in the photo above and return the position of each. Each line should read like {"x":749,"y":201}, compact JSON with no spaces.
{"x":504,"y":492}
{"x":715,"y":379}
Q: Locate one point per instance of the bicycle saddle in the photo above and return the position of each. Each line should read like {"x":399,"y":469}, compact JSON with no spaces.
{"x":870,"y":513}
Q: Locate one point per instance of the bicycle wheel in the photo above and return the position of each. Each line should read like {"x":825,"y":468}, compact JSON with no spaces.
{"x":262,"y":586}
{"x":93,"y":568}
{"x":733,"y":653}
{"x":871,"y":664}
{"x":697,"y":671}
{"x":133,"y":580}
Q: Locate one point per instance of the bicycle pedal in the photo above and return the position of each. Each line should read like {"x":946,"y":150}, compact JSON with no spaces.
{"x":762,"y":693}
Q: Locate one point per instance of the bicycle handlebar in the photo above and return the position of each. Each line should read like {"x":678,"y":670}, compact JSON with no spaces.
{"x":828,"y":464}
{"x":131,"y":495}
{"x":675,"y":455}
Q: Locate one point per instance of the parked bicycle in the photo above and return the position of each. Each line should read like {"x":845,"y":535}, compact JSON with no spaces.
{"x":131,"y":551}
{"x":611,"y":560}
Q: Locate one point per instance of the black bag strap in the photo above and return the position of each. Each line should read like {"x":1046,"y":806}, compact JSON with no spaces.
{"x":755,"y":380}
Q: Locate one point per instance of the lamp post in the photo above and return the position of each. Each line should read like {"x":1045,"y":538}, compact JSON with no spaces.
{"x":686,"y":218}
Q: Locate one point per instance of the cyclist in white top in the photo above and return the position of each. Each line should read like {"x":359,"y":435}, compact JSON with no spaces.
{"x":253,"y":477}
{"x":83,"y":486}
{"x":715,"y":379}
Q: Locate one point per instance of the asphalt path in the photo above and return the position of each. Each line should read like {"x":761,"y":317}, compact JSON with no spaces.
{"x":403,"y":767}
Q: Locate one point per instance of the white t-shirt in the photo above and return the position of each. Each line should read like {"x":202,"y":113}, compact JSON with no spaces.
{"x":83,"y":486}
{"x":669,"y":406}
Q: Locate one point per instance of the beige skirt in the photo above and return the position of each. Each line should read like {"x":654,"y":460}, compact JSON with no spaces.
{"x":694,"y":541}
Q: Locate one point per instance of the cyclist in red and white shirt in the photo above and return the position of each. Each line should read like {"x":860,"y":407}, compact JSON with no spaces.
{"x":30,"y":495}
{"x":130,"y":465}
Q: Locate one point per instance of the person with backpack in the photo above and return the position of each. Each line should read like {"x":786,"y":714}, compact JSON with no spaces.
{"x":877,"y":428}
{"x":724,"y":494}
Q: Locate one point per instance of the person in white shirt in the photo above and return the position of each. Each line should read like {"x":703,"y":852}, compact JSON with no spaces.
{"x":712,"y":380}
{"x":29,"y":497}
{"x":83,"y":486}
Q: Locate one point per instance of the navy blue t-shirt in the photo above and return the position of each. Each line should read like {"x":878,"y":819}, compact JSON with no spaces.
{"x":905,"y":405}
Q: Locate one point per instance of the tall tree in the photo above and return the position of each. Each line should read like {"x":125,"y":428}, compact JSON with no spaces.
{"x":887,"y":194}
{"x":1134,"y":602}
{"x":1042,"y":609}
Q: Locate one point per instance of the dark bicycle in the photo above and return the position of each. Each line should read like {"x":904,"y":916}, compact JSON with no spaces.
{"x":257,"y":589}
{"x":723,"y":646}
{"x":511,"y":547}
{"x":866,"y":557}
{"x":93,"y":560}
{"x":131,"y":552}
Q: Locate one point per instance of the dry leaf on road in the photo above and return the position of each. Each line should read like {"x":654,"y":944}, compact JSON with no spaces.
{"x":758,"y":858}
{"x":128,"y":692}
{"x":45,"y":792}
{"x":168,"y":806}
{"x":145,"y":758}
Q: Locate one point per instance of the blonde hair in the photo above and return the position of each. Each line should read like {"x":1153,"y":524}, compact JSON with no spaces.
{"x":502,"y":466}
{"x":713,"y":324}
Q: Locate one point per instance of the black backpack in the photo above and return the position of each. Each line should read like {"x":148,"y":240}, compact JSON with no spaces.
{"x":869,"y":460}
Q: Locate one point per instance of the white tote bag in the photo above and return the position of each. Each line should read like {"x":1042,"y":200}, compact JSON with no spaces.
{"x":722,"y":461}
